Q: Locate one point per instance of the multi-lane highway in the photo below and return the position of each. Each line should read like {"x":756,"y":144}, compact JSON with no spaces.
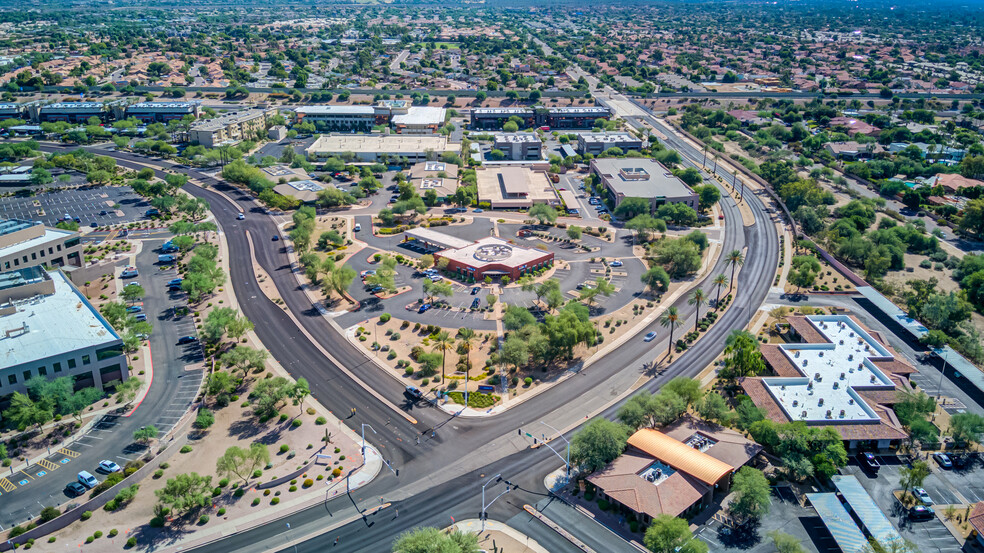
{"x":440,"y":476}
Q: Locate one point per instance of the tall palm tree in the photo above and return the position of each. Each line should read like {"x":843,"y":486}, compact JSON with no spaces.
{"x":698,"y":298}
{"x":466,"y":342}
{"x":443,"y":343}
{"x":735,"y":258}
{"x":670,"y":318}
{"x":719,"y":281}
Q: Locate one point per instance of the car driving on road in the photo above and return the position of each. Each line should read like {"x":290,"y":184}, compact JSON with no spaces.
{"x":650,"y":337}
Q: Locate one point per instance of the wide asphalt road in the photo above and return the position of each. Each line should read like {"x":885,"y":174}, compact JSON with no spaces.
{"x":458,"y":446}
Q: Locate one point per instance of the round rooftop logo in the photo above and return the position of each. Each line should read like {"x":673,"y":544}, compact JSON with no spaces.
{"x":493,"y":252}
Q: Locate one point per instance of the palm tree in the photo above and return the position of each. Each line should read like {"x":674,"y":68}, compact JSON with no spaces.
{"x":443,"y":343}
{"x":670,"y":318}
{"x":735,"y":258}
{"x":698,"y":298}
{"x":720,"y":281}
{"x":466,"y":342}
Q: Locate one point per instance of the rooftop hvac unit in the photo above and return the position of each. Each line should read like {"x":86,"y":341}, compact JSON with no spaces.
{"x":850,"y":401}
{"x":872,"y":379}
{"x":809,"y":385}
{"x":803,"y":415}
{"x":843,"y":376}
{"x":842,"y":413}
{"x":851,"y":335}
{"x":842,"y":342}
{"x":820,"y":404}
{"x":830,"y":414}
{"x":821,"y":354}
{"x":805,"y":361}
{"x":850,"y":357}
{"x":836,"y":385}
{"x":795,"y":403}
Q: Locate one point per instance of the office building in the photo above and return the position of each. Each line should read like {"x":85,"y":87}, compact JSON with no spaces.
{"x":519,"y":146}
{"x":595,"y":143}
{"x":642,"y":178}
{"x":490,"y":257}
{"x":399,"y":115}
{"x":30,"y":243}
{"x":560,"y":118}
{"x":371,"y":148}
{"x":514,"y":188}
{"x":674,"y":471}
{"x":438,"y":176}
{"x":11,"y":111}
{"x":230,"y":128}
{"x":49,"y":329}
{"x":161,"y":112}
{"x":837,"y":374}
{"x":70,"y":112}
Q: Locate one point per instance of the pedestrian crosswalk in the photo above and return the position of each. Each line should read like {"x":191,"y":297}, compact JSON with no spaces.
{"x":46,"y":464}
{"x":7,"y":485}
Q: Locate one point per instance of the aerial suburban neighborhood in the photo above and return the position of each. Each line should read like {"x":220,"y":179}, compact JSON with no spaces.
{"x":504,"y":276}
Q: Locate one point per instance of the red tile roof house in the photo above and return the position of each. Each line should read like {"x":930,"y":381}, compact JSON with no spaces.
{"x":675,"y":470}
{"x":841,"y":375}
{"x":976,"y":520}
{"x":952,"y":183}
{"x":854,"y":126}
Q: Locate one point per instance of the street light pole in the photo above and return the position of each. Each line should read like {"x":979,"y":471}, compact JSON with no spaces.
{"x":364,"y":439}
{"x":939,"y":390}
{"x":499,"y":476}
{"x":567,"y":462}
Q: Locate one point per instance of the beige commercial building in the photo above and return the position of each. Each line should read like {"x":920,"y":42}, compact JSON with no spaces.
{"x":30,"y":243}
{"x":382,"y":147}
{"x":438,"y":176}
{"x":514,"y":188}
{"x":230,"y":128}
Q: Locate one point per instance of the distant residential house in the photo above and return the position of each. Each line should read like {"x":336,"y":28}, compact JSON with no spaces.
{"x":953,"y":182}
{"x":854,"y":126}
{"x":956,"y":202}
{"x":853,"y":150}
{"x":746,"y":117}
{"x":976,"y":520}
{"x":944,"y":154}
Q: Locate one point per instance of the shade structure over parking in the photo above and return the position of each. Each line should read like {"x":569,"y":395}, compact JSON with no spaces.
{"x":872,"y":518}
{"x":838,"y":521}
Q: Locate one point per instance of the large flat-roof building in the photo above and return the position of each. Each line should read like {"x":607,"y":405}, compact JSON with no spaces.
{"x":382,"y":147}
{"x":30,"y":243}
{"x":560,"y":118}
{"x":840,"y":376}
{"x":674,"y":471}
{"x":71,"y":112}
{"x":11,"y":111}
{"x":438,"y":176}
{"x":519,"y":146}
{"x":400,"y":115}
{"x":162,"y":112}
{"x":595,"y":143}
{"x":488,"y":257}
{"x":49,"y":329}
{"x":514,"y":187}
{"x":642,"y":178}
{"x":230,"y":128}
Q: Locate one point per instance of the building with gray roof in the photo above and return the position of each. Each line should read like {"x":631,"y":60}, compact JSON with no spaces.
{"x":642,"y":178}
{"x":48,"y":328}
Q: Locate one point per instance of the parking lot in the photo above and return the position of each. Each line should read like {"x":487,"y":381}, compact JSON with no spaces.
{"x":120,"y":204}
{"x":943,"y":486}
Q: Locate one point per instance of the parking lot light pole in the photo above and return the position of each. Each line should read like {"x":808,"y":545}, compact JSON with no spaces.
{"x":567,"y":461}
{"x":939,"y":390}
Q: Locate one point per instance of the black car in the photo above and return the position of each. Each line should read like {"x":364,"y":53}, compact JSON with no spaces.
{"x":475,"y":290}
{"x":276,"y":238}
{"x":187,"y":340}
{"x":921,"y":512}
{"x":868,"y":460}
{"x":475,"y":303}
{"x":75,"y":489}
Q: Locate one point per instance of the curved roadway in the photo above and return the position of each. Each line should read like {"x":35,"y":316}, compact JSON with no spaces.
{"x":441,"y":476}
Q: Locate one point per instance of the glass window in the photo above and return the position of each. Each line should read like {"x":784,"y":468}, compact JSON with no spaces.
{"x":42,"y":253}
{"x":59,"y":247}
{"x":85,"y":360}
{"x":12,"y":379}
{"x":34,"y":255}
{"x":109,"y":352}
{"x":57,"y":367}
{"x":71,"y":363}
{"x":43,"y":371}
{"x":27,"y":375}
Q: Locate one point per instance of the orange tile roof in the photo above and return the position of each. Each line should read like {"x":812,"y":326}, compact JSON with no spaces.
{"x":976,"y":518}
{"x":680,"y":456}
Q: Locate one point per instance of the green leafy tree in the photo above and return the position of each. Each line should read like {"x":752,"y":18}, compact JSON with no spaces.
{"x":669,"y":534}
{"x":186,"y":492}
{"x":697,"y":298}
{"x":126,"y":391}
{"x":632,"y":207}
{"x":804,"y":271}
{"x":242,"y":462}
{"x":656,"y":279}
{"x":912,"y":477}
{"x":708,"y":195}
{"x":244,"y":359}
{"x":685,"y":387}
{"x":132,"y":292}
{"x":543,"y":213}
{"x":678,"y":256}
{"x":752,"y":494}
{"x":145,"y":434}
{"x":735,"y":258}
{"x":713,"y":407}
{"x":966,"y":428}
{"x":784,"y":543}
{"x":443,"y":343}
{"x":25,"y":412}
{"x":719,"y":281}
{"x":598,"y":443}
{"x":670,"y":318}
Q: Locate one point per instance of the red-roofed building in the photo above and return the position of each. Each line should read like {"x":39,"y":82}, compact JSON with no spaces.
{"x":839,"y":374}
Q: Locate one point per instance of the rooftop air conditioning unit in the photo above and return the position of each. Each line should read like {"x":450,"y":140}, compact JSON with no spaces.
{"x":850,"y":357}
{"x":842,"y":342}
{"x":830,"y":414}
{"x":872,"y":379}
{"x":803,"y":416}
{"x":795,"y":403}
{"x":850,"y":401}
{"x":843,"y":376}
{"x":836,"y":385}
{"x":842,"y":413}
{"x":820,"y":404}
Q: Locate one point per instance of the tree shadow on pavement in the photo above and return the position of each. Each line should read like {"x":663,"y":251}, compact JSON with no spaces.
{"x":152,"y":539}
{"x":744,"y":536}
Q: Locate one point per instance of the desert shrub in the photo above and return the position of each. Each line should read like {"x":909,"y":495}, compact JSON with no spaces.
{"x":320,"y":420}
